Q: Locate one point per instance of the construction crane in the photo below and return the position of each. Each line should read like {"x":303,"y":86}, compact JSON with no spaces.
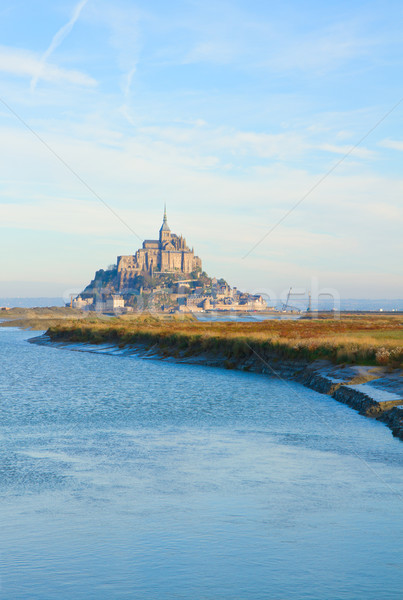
{"x":287,"y":306}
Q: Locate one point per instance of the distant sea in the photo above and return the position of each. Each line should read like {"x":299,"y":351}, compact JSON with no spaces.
{"x":31,"y":302}
{"x":385,"y":304}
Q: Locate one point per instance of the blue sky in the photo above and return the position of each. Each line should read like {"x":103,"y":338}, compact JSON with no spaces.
{"x":229,"y":112}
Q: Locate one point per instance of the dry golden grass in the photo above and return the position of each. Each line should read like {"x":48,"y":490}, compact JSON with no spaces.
{"x":374,"y":340}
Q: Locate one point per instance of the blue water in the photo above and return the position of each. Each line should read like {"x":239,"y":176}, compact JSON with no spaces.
{"x":127,"y":478}
{"x":323,"y":303}
{"x":22,"y":302}
{"x":216,"y":316}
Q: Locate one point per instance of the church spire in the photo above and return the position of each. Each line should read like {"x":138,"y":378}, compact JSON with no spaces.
{"x":165,"y":226}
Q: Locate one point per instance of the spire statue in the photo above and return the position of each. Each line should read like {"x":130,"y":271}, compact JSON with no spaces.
{"x":165,"y":226}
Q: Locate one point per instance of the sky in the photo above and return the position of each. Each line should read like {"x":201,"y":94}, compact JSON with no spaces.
{"x":273,"y":131}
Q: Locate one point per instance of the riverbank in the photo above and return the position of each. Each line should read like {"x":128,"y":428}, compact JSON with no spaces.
{"x":371,"y":341}
{"x":323,"y":355}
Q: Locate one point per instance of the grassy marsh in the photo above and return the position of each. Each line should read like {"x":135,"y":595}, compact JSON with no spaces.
{"x":365,"y":339}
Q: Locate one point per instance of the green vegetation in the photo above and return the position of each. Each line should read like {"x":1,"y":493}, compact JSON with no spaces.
{"x":369,"y":340}
{"x":105,"y":279}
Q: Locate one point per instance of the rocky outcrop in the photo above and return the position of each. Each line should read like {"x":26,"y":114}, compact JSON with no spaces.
{"x":394,"y":419}
{"x":367,"y":400}
{"x":370,"y":391}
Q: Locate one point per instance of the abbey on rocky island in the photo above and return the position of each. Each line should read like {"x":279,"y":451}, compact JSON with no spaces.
{"x":163,"y":276}
{"x":168,"y":254}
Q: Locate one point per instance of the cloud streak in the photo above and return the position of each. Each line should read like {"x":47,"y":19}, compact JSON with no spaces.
{"x":392,"y":144}
{"x":17,"y":61}
{"x":56,"y":41}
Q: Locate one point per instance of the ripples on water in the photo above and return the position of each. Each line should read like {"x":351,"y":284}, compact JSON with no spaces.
{"x":144,"y":479}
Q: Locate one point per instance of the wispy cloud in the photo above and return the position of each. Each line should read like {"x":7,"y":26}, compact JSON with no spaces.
{"x":128,"y":82}
{"x":124,"y":40}
{"x":125,"y":109}
{"x":392,"y":144}
{"x":217,"y":52}
{"x":320,"y":51}
{"x":24,"y":63}
{"x":357,"y":152}
{"x":56,"y":41}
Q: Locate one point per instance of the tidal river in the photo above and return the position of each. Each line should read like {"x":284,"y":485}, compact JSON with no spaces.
{"x":142,"y":479}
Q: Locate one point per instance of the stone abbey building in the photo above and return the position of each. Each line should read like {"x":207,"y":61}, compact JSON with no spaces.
{"x":168,"y":254}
